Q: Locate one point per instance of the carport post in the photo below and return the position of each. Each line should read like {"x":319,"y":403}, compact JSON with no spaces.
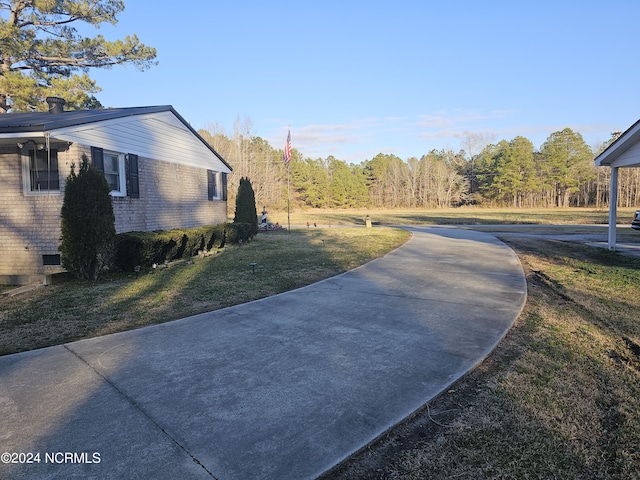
{"x":613,"y":205}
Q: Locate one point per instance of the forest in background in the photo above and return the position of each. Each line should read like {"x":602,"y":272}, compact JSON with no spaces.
{"x":507,"y":173}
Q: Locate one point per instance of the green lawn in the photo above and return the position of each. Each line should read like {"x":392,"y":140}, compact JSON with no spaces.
{"x":558,"y":398}
{"x":455,"y":216}
{"x":284,"y":261}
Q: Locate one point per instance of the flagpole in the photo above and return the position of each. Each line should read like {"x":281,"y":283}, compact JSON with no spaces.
{"x":289,"y":196}
{"x":286,"y":156}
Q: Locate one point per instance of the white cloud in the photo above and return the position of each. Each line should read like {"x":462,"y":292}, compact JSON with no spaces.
{"x":412,"y":136}
{"x":432,"y":121}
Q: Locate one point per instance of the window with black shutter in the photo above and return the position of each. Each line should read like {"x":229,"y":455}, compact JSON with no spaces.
{"x":120,"y":171}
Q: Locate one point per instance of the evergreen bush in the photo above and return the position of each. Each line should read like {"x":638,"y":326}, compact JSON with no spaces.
{"x":87,"y":222}
{"x":246,"y":206}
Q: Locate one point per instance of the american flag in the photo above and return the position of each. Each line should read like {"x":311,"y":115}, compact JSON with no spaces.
{"x":286,"y":156}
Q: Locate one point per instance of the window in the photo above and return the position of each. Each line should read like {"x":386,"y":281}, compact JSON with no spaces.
{"x":215,"y":191}
{"x":112,"y":170}
{"x":120,"y":171}
{"x":212,"y":184}
{"x":43,"y":171}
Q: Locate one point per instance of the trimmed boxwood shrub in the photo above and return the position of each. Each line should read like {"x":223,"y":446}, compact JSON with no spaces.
{"x":147,"y":248}
{"x":238,"y":232}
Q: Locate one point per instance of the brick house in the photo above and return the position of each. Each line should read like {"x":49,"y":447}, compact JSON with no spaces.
{"x":163,"y":175}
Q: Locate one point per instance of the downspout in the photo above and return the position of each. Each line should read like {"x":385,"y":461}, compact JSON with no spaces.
{"x":47,"y":145}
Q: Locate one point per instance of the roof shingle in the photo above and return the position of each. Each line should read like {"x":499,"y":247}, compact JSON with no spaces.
{"x":45,"y":121}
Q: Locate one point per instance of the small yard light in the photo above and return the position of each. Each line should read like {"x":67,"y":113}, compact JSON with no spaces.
{"x":253,"y":267}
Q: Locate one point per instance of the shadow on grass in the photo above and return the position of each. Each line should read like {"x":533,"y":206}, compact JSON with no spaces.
{"x":556,"y":399}
{"x":284,"y":261}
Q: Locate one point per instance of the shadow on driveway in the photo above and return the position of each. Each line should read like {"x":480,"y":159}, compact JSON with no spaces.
{"x":281,"y":388}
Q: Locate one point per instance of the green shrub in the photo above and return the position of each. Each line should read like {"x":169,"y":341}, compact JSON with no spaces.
{"x":87,"y":223}
{"x":246,"y":206}
{"x":130,"y":250}
{"x":238,"y":232}
{"x":146,"y":248}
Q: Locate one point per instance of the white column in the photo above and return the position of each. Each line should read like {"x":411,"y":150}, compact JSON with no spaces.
{"x":613,"y":207}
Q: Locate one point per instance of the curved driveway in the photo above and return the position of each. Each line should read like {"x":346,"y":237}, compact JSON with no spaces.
{"x":281,"y":388}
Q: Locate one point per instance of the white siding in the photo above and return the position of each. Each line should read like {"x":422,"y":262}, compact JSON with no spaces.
{"x":156,"y":135}
{"x":624,"y":152}
{"x":630,"y":158}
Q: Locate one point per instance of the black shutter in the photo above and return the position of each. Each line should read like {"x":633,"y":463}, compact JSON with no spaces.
{"x":97,"y":159}
{"x":211,"y":185}
{"x":224,"y":187}
{"x":133,"y":183}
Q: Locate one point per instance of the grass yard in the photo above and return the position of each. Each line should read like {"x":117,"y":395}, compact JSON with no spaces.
{"x":81,"y":309}
{"x":559,"y":397}
{"x":455,"y":216}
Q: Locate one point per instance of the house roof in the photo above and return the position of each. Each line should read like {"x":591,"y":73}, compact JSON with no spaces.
{"x":74,"y":125}
{"x":45,"y":121}
{"x":624,"y":151}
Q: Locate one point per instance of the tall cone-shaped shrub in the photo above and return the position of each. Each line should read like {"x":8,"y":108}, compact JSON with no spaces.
{"x":246,"y":206}
{"x":88,"y":224}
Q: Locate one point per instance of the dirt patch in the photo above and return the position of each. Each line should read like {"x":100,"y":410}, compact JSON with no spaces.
{"x":382,"y":459}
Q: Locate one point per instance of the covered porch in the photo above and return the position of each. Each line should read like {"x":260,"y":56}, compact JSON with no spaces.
{"x":622,"y":153}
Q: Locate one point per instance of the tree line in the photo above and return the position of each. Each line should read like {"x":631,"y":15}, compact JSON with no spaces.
{"x":508,"y":173}
{"x":42,"y":53}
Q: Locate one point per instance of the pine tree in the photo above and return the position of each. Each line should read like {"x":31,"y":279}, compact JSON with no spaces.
{"x":567,"y":164}
{"x":246,"y":206}
{"x":88,"y":223}
{"x":42,"y":49}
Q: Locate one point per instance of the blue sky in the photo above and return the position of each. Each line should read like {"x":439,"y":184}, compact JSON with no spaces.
{"x":354,"y":78}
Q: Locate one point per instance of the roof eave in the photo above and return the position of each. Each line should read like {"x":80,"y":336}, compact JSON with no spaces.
{"x":59,"y":121}
{"x":619,"y":146}
{"x":194,"y":131}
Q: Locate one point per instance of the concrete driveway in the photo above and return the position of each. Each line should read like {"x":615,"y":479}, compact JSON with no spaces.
{"x":281,"y":388}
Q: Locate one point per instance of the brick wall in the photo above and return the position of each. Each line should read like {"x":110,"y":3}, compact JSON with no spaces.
{"x":171,"y":196}
{"x":29,"y":224}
